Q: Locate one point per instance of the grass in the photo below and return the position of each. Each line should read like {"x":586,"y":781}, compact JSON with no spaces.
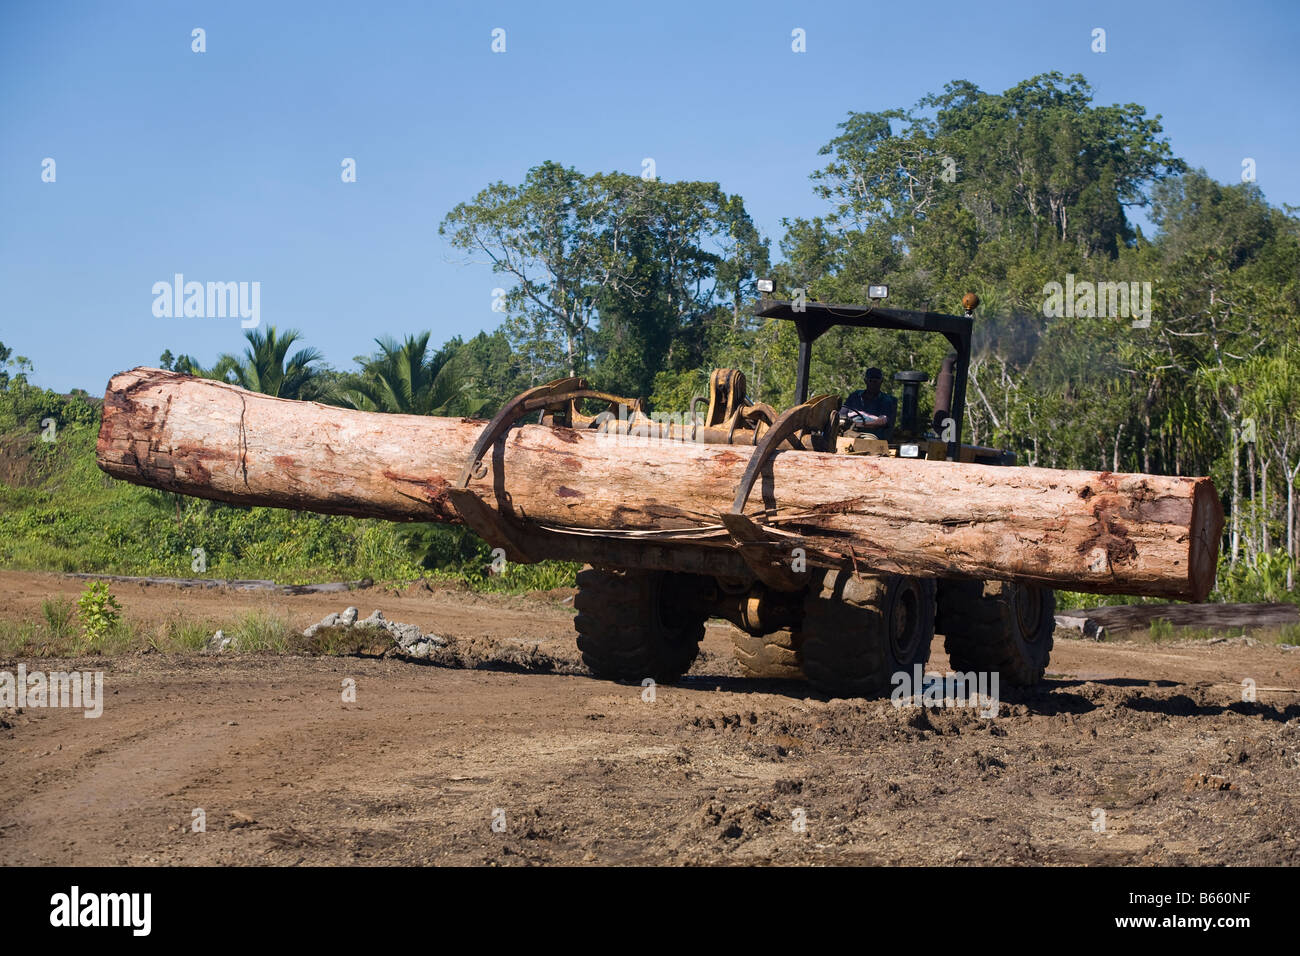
{"x":18,"y":638}
{"x":42,"y":639}
{"x":95,"y":624}
{"x":343,"y":642}
{"x":45,"y":638}
{"x":254,"y":632}
{"x":516,"y":579}
{"x":259,"y":631}
{"x":59,"y":616}
{"x":182,"y":635}
{"x":120,"y":639}
{"x":1162,"y":630}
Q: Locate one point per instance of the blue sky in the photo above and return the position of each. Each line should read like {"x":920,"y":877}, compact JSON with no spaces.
{"x":225,"y":165}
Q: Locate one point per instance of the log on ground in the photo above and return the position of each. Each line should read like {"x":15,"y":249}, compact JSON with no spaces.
{"x":1101,"y":622}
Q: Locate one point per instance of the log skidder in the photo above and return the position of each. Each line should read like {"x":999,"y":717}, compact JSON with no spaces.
{"x":855,"y":540}
{"x":857,"y":630}
{"x":850,"y":633}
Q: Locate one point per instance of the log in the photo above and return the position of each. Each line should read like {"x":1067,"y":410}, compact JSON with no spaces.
{"x":1102,"y":622}
{"x":1101,"y":532}
{"x":234,"y":584}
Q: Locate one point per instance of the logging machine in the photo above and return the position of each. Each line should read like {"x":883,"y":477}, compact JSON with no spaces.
{"x":802,"y":610}
{"x":837,"y":554}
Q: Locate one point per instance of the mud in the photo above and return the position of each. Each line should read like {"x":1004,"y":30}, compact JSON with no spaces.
{"x":502,"y":751}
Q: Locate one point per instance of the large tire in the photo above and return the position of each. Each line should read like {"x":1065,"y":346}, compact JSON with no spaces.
{"x":775,"y":656}
{"x":637,"y":624}
{"x":860,"y":630}
{"x":998,"y":626}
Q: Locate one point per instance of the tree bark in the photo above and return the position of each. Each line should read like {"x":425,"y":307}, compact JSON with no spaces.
{"x":1088,"y":531}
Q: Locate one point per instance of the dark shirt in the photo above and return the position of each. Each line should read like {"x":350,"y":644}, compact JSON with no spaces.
{"x":883,"y":404}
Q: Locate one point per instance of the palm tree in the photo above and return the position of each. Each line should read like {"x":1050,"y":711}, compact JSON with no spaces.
{"x":263,"y":367}
{"x":453,"y":391}
{"x":397,"y":378}
{"x":406,"y":379}
{"x":223,"y":371}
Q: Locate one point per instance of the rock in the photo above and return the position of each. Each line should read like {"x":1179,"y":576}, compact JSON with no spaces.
{"x":410,"y":640}
{"x":332,"y":620}
{"x":404,"y":634}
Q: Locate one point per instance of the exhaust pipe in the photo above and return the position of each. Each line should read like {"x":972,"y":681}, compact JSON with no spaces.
{"x":943,"y":391}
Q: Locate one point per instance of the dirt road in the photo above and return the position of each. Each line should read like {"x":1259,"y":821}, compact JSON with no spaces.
{"x":1130,"y":753}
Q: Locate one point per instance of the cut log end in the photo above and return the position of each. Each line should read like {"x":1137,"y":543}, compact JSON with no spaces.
{"x":1203,"y":541}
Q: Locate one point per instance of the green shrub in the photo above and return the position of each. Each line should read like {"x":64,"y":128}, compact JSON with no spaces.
{"x":1260,"y":581}
{"x":99,"y":612}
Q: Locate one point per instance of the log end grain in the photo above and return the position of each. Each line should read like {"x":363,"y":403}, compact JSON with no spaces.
{"x":1203,"y":542}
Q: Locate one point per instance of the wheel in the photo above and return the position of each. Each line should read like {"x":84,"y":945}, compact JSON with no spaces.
{"x":998,"y":626}
{"x":776,"y":656}
{"x":860,"y":630}
{"x":637,"y":624}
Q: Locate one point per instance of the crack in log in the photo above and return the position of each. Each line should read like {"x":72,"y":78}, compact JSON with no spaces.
{"x":844,"y":506}
{"x":243,"y":439}
{"x":432,"y":493}
{"x":160,"y":428}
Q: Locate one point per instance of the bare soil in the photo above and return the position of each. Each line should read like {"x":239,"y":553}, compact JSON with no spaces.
{"x":717,"y":769}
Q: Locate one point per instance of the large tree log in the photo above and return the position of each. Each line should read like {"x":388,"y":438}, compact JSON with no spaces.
{"x":1087,"y":531}
{"x":1103,"y":622}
